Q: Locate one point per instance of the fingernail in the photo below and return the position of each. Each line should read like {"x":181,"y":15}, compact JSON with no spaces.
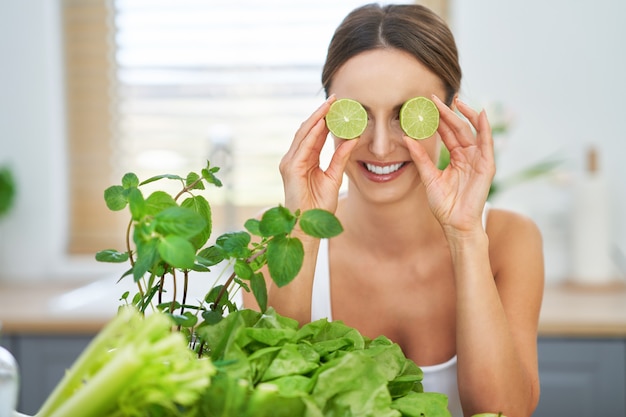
{"x":459,"y":101}
{"x":328,"y":100}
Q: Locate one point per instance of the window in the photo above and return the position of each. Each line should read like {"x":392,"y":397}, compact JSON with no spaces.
{"x":160,"y":86}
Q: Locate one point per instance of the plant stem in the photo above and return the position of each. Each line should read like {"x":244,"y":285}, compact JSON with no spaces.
{"x":232,"y":277}
{"x":161,"y":283}
{"x":173,"y":291}
{"x":185,"y":289}
{"x":187,"y":188}
{"x":130,"y":253}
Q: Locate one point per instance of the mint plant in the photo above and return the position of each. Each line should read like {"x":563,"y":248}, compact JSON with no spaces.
{"x":166,"y":239}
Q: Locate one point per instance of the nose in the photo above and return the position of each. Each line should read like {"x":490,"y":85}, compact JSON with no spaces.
{"x":383,"y":140}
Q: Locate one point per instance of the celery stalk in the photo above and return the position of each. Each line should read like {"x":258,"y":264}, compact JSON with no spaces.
{"x":134,"y":363}
{"x":74,"y":378}
{"x":98,"y":397}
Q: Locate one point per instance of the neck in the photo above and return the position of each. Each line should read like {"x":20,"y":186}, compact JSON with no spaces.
{"x":393,"y":226}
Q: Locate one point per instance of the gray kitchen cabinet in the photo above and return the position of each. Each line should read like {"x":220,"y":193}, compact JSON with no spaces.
{"x":42,"y":361}
{"x":582,"y":377}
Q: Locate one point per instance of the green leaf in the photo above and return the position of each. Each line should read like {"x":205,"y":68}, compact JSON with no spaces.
{"x":293,"y":385}
{"x":352,"y":384}
{"x":179,"y":221}
{"x":136,"y":203}
{"x":160,"y":177}
{"x":267,"y":401}
{"x":147,"y":257}
{"x":187,"y":319}
{"x":320,"y":223}
{"x":208,"y":175}
{"x":130,"y":180}
{"x":253,"y":226}
{"x":211,"y":296}
{"x":157,"y":202}
{"x":422,"y":404}
{"x":210,"y":256}
{"x":234,"y":244}
{"x":259,"y":261}
{"x":115,"y":198}
{"x":276,"y":221}
{"x":292,"y":359}
{"x":177,"y":251}
{"x":193,"y":181}
{"x":284,"y":259}
{"x":111,"y":255}
{"x":243,"y":270}
{"x":212,"y":316}
{"x":200,"y":206}
{"x":259,"y":290}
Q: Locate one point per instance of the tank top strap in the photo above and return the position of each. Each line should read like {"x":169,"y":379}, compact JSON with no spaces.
{"x":320,"y":295}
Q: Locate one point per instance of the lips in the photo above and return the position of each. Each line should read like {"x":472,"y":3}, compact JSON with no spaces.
{"x":383,"y":172}
{"x":383,"y":169}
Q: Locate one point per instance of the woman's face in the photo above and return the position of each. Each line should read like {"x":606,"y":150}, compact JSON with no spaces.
{"x":382,"y":80}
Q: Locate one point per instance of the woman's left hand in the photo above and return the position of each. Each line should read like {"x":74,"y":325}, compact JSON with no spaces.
{"x":457,"y":194}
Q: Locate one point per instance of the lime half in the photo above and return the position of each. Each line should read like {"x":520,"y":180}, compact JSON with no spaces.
{"x":346,"y":118}
{"x":419,"y":118}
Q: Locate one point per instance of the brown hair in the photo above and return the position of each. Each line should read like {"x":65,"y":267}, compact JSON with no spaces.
{"x":408,"y":27}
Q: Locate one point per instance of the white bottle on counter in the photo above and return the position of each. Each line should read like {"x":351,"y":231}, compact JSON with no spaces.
{"x":591,"y":229}
{"x":9,"y":383}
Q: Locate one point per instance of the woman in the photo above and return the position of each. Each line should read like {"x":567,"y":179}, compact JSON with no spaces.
{"x":421,"y":259}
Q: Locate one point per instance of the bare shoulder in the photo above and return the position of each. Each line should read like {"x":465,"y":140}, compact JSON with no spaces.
{"x":505,"y":225}
{"x":514,"y":241}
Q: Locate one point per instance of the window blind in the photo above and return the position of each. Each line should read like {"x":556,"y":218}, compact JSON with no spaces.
{"x":91,"y":115}
{"x":174,"y":83}
{"x":227,"y":81}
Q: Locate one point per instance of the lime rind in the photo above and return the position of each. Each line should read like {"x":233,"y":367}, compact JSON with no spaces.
{"x":346,"y":119}
{"x":419,"y":118}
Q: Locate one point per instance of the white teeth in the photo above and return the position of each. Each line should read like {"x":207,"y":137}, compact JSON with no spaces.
{"x":387,"y":169}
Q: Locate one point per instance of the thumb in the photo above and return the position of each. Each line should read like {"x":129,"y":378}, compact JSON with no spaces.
{"x":427,"y":170}
{"x":340,"y":159}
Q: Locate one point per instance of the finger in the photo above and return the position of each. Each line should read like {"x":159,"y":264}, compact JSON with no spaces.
{"x":305,"y":153}
{"x":425,"y":166}
{"x":480,"y":122}
{"x":453,"y":130}
{"x":340,"y":159}
{"x":470,"y":114}
{"x":485,"y":136}
{"x":306,"y":126}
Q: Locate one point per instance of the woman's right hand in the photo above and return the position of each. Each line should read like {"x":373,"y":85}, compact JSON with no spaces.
{"x":306,"y":185}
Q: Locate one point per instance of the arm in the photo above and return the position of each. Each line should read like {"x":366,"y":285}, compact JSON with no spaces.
{"x":498,"y":290}
{"x":307,"y":186}
{"x":497,"y":316}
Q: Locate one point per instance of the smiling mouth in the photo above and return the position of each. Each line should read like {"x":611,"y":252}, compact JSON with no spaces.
{"x":383,"y":170}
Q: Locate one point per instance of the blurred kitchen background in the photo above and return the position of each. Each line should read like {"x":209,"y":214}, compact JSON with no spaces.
{"x":161,"y":86}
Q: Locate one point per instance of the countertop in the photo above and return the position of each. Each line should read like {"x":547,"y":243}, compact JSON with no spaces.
{"x":567,"y":310}
{"x":577,"y":311}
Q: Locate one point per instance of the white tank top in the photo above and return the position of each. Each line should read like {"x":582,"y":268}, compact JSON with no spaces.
{"x":440,"y":378}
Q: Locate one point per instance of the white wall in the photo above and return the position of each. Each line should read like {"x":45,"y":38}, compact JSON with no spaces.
{"x":32,"y":141}
{"x":557,"y":64}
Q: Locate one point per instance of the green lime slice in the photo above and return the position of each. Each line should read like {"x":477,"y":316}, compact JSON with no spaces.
{"x":346,"y":119}
{"x":419,"y":118}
